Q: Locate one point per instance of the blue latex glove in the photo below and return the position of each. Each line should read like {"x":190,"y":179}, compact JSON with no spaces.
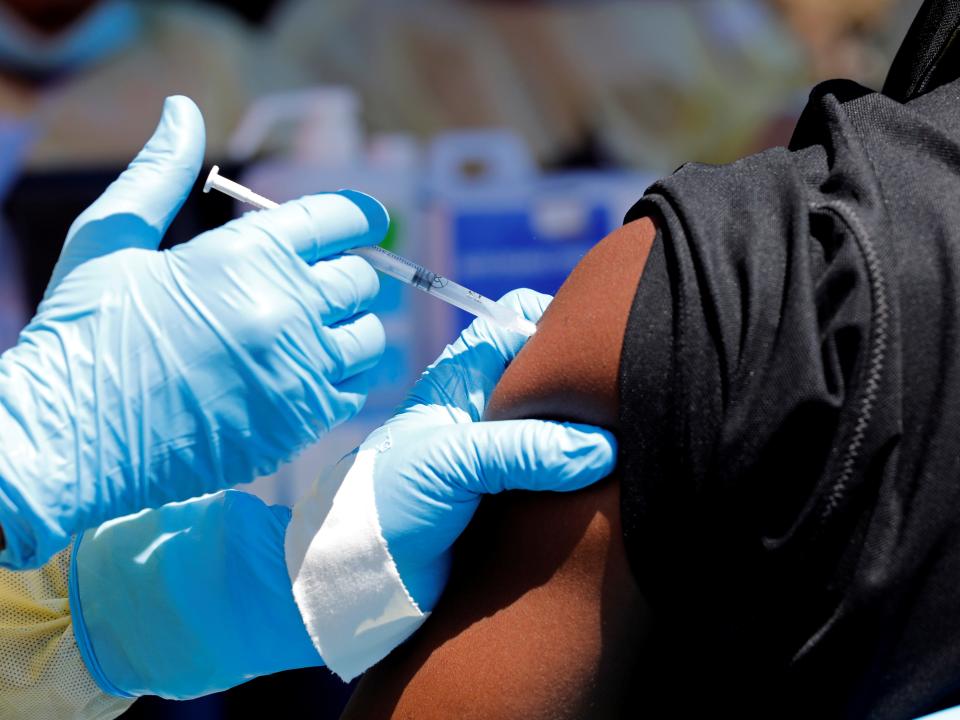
{"x":442,"y":458}
{"x":195,"y":597}
{"x":188,"y":599}
{"x":149,"y":376}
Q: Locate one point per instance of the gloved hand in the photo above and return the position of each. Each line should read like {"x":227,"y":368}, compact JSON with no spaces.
{"x":438,"y":427}
{"x":195,"y":597}
{"x":188,"y":599}
{"x":150,"y":376}
{"x":411,"y":488}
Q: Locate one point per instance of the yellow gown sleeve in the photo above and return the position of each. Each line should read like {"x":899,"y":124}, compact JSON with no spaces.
{"x":42,"y":675}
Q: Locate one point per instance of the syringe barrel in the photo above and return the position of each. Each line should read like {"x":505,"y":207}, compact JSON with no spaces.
{"x":391,"y":264}
{"x":476,"y":304}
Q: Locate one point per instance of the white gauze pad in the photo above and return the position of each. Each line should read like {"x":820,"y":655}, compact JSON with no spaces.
{"x":345,"y":582}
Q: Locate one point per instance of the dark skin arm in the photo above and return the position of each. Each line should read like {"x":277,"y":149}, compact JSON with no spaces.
{"x":542,"y":618}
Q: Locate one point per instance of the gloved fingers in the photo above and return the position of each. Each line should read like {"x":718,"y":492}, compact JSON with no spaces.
{"x":318,"y":226}
{"x":528,"y":303}
{"x":152,"y":189}
{"x":468,"y":369}
{"x":347,"y":284}
{"x":356,"y":346}
{"x":352,"y":393}
{"x":529,"y":455}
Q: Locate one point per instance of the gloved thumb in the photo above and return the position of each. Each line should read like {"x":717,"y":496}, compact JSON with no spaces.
{"x":138,"y":207}
{"x":531,"y":455}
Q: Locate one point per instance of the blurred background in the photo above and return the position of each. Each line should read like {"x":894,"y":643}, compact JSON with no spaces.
{"x":505,"y":136}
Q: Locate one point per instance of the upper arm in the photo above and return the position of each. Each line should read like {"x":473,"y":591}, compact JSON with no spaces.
{"x":541,"y":617}
{"x":569,"y":369}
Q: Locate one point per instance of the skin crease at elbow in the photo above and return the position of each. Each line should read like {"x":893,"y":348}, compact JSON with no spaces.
{"x":542,"y":617}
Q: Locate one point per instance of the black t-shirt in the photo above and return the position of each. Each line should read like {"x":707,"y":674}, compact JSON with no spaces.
{"x":791,"y":373}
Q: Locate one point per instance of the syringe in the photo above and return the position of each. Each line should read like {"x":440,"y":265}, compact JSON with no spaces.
{"x":396,"y":266}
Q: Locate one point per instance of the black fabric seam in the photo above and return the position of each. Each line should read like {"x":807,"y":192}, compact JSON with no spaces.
{"x":934,"y":66}
{"x":876,"y":357}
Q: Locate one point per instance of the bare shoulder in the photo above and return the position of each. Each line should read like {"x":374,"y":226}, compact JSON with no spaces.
{"x":542,"y":618}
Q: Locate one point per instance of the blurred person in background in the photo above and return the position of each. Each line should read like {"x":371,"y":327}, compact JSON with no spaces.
{"x":86,"y":75}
